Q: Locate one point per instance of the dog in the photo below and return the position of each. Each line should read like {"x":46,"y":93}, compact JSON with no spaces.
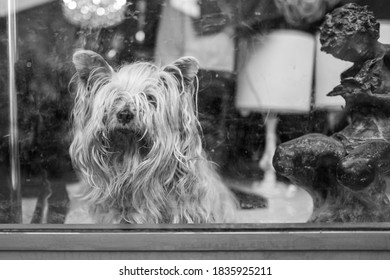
{"x":137,"y":144}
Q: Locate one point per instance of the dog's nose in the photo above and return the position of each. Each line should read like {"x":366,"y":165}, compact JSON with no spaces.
{"x":125,"y":116}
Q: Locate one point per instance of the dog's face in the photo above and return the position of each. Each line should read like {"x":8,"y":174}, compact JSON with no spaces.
{"x":140,"y":100}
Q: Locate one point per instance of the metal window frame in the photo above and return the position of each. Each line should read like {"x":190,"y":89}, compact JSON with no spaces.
{"x":227,"y":241}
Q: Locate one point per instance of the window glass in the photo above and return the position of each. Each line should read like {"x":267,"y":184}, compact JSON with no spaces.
{"x":289,"y":123}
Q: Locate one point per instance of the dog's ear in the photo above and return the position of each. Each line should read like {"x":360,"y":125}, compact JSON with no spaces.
{"x":87,"y":62}
{"x":188,"y":67}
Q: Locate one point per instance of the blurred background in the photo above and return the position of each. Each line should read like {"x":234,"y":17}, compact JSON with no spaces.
{"x":263,"y":81}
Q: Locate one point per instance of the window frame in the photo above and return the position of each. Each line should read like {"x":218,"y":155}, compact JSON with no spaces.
{"x":262,"y":241}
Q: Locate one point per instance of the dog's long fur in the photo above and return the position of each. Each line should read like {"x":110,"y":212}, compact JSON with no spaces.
{"x":151,"y":169}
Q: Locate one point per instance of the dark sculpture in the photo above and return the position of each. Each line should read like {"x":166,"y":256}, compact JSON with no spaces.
{"x":344,"y":173}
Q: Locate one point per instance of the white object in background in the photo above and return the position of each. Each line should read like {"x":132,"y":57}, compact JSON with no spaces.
{"x":189,"y":7}
{"x":21,"y":5}
{"x":268,"y":187}
{"x":177,"y":37}
{"x":384,"y":31}
{"x":277,"y":75}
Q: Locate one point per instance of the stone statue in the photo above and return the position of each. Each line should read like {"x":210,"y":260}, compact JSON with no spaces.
{"x":344,"y":173}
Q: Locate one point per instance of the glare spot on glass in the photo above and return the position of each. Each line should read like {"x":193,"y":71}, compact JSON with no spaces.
{"x":121,"y":2}
{"x":140,"y":36}
{"x":100,"y":11}
{"x":117,"y":6}
{"x":111,"y":53}
{"x":72,"y":5}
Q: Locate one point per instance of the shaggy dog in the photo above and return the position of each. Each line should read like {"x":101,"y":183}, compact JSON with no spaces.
{"x":137,"y":144}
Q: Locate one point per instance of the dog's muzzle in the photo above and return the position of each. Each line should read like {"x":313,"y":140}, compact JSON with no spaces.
{"x":124,"y":116}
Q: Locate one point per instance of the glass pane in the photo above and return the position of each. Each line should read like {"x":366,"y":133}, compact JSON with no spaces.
{"x":246,"y":132}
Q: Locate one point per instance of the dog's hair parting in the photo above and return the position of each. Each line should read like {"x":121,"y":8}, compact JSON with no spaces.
{"x":137,"y":144}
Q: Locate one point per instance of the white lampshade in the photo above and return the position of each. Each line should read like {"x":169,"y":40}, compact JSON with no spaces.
{"x":277,"y":75}
{"x":384,"y":31}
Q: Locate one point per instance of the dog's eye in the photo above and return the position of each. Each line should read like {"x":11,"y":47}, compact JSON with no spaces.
{"x":152,"y":100}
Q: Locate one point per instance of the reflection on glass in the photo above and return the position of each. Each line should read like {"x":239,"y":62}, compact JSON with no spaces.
{"x":11,"y":210}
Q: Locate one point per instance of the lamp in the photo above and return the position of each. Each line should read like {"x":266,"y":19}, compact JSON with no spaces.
{"x":276,"y":77}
